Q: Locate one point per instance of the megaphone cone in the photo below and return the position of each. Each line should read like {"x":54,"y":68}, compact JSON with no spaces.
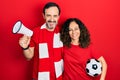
{"x":21,"y":29}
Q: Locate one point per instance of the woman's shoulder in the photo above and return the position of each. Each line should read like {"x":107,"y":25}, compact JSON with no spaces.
{"x":91,"y":45}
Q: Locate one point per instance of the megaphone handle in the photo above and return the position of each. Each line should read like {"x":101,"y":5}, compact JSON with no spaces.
{"x":24,"y":41}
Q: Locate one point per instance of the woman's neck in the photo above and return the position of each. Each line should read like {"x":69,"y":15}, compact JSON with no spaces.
{"x":75,"y":42}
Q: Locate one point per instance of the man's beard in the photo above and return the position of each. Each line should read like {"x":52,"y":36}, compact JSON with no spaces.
{"x":51,"y":22}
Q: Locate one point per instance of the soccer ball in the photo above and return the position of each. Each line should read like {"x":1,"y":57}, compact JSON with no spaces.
{"x":93,"y":67}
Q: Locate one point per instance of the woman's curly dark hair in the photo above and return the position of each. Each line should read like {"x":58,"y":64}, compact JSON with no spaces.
{"x":84,"y":39}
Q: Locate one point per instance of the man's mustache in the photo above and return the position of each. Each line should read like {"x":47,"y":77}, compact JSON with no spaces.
{"x":52,"y":21}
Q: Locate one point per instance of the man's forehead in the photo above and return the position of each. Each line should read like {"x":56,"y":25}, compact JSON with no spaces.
{"x":52,"y":10}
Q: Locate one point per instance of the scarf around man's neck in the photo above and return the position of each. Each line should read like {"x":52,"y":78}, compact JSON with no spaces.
{"x":44,"y":55}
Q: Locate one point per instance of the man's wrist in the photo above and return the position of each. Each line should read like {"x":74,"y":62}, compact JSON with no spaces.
{"x":26,"y":47}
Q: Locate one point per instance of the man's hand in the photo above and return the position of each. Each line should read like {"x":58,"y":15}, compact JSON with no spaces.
{"x":24,"y":41}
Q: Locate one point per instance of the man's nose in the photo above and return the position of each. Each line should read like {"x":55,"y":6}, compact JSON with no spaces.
{"x":52,"y":18}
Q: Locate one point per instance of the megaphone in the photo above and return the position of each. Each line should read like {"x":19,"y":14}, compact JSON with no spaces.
{"x":21,"y":29}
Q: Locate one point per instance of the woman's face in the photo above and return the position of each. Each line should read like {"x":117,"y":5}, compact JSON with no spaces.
{"x":74,"y":31}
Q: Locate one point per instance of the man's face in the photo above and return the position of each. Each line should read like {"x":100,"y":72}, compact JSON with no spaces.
{"x":51,"y":16}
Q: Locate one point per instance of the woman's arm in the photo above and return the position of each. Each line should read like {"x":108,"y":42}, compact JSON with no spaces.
{"x":104,"y":68}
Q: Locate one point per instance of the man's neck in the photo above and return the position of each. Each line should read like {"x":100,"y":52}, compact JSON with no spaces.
{"x":50,"y":29}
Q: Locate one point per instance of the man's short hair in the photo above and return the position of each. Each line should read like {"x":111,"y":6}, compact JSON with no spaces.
{"x":51,"y":4}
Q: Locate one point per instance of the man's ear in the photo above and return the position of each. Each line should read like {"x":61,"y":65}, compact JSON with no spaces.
{"x":43,"y":15}
{"x":58,"y":16}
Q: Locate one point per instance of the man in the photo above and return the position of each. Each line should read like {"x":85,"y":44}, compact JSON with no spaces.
{"x":45,"y":46}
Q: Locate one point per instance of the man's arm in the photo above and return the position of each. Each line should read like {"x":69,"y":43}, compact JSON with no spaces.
{"x":29,"y":53}
{"x":24,"y":43}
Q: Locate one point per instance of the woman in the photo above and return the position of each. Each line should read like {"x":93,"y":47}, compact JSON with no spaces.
{"x":77,"y":50}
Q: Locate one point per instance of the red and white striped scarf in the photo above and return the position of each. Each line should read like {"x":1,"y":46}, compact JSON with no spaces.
{"x":44,"y":56}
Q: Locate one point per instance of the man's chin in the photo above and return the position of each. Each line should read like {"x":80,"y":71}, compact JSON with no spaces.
{"x":52,"y":27}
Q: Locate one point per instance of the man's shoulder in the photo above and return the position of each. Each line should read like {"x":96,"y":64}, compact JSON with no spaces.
{"x":36,"y":28}
{"x":57,"y":29}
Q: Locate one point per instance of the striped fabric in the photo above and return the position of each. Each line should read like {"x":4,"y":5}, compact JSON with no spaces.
{"x":50,"y":56}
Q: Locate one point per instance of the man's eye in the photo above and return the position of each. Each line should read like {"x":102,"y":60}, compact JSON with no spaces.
{"x":48,"y":15}
{"x":55,"y":15}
